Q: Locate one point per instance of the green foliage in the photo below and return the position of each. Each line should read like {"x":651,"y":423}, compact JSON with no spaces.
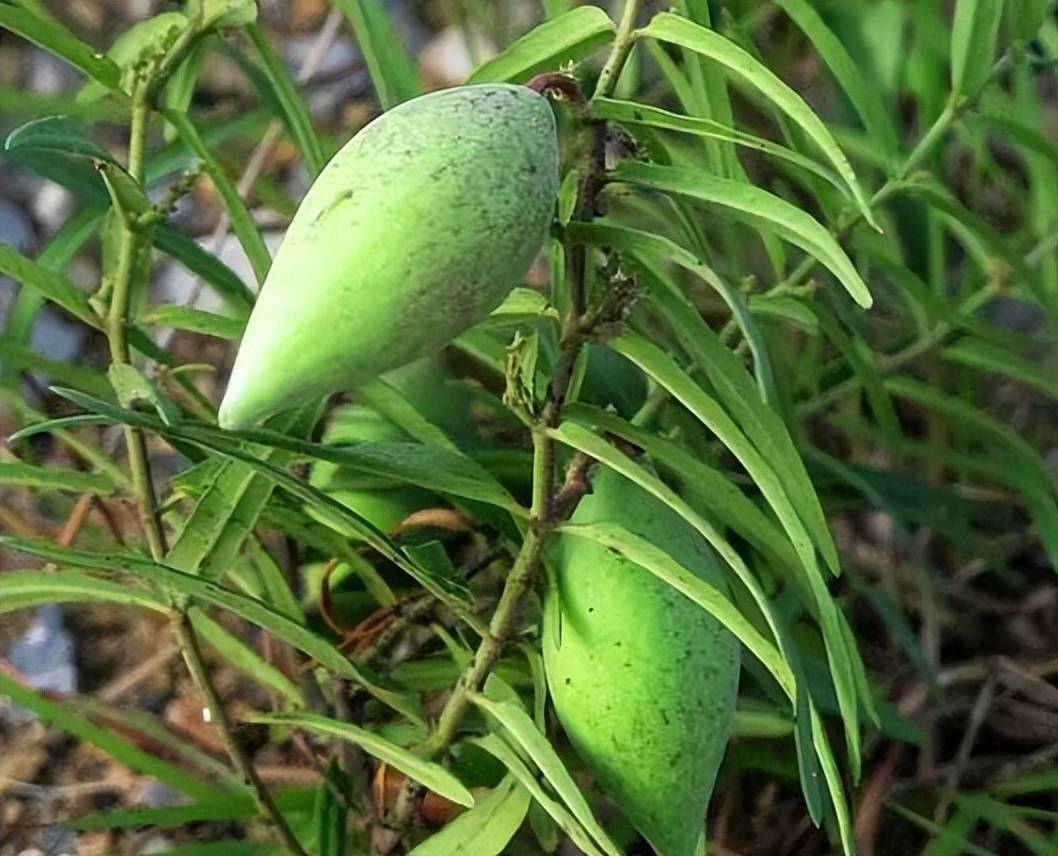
{"x":787,"y":319}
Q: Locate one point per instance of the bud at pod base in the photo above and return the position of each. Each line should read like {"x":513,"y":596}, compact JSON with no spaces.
{"x":414,"y":232}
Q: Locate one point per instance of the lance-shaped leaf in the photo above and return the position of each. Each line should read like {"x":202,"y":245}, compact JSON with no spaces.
{"x":756,"y":206}
{"x":677,"y":30}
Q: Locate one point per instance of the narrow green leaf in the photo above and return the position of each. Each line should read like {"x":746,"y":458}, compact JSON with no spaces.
{"x":652,"y":558}
{"x":63,"y":717}
{"x":761,"y":423}
{"x":331,"y":512}
{"x":861,"y":359}
{"x":24,"y":359}
{"x":56,"y":256}
{"x":1007,"y":818}
{"x":243,"y":657}
{"x":227,"y":509}
{"x":648,"y":248}
{"x":992,"y":358}
{"x":170,"y":240}
{"x":952,"y":839}
{"x":392,"y":70}
{"x":428,"y":773}
{"x":252,"y":610}
{"x":294,"y":109}
{"x":835,"y":783}
{"x":724,"y":500}
{"x":390,"y":402}
{"x":677,"y":30}
{"x":565,"y":38}
{"x":25,"y":589}
{"x":522,"y":731}
{"x":329,"y":821}
{"x":54,"y":478}
{"x":808,"y":766}
{"x":782,"y":307}
{"x":58,"y":135}
{"x":195,"y":321}
{"x":242,"y":223}
{"x":233,"y":807}
{"x":506,"y":755}
{"x":51,"y":285}
{"x":637,"y":114}
{"x":756,"y":206}
{"x":55,"y":38}
{"x":486,"y":829}
{"x":868,"y":105}
{"x":1011,"y":442}
{"x":660,"y":366}
{"x":973,"y":43}
{"x":585,"y":441}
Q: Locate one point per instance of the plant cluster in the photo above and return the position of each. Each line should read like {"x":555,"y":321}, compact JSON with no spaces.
{"x":776,"y":386}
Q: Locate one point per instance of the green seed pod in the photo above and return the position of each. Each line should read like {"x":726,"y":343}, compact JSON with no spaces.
{"x":414,"y":232}
{"x":381,"y":501}
{"x":643,"y":680}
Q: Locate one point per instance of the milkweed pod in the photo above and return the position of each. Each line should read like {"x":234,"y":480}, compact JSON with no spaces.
{"x":414,"y":232}
{"x":382,"y":502}
{"x":643,"y":680}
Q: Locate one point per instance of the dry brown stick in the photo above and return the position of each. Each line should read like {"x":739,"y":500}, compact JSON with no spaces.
{"x":126,"y":681}
{"x":82,"y":508}
{"x":982,"y":704}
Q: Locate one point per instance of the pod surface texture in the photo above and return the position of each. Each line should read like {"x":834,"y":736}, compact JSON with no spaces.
{"x":644,"y":681}
{"x":413,"y":233}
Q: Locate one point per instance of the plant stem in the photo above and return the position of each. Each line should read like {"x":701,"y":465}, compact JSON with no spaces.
{"x":192,"y":652}
{"x":125,"y":270}
{"x":491,"y":646}
{"x":117,"y":317}
{"x":886,"y":364}
{"x":622,"y":44}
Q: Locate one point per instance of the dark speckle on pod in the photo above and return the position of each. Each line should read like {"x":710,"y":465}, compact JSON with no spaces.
{"x":415,"y":231}
{"x":643,"y":680}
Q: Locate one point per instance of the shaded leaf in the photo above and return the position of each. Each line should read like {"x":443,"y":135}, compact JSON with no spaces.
{"x":61,"y":716}
{"x":432,"y":775}
{"x":486,"y":829}
{"x":973,"y":43}
{"x":250,"y":609}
